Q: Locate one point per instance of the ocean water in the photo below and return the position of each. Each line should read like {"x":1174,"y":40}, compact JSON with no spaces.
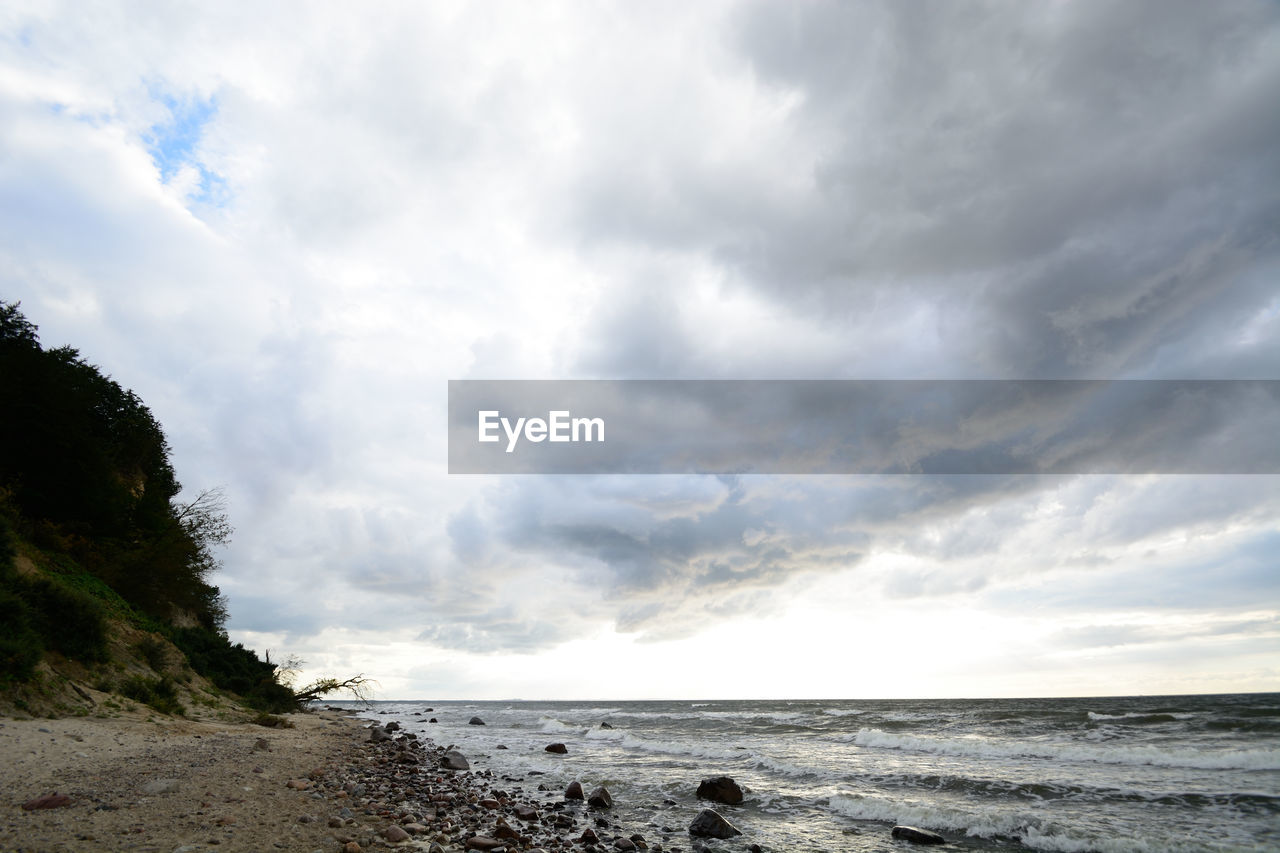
{"x":1161,"y":774}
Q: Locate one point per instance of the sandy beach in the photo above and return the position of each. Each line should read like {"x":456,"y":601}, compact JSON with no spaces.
{"x":328,"y":783}
{"x":169,"y":784}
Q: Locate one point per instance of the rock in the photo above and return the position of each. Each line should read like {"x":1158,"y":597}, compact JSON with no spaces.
{"x":392,"y":726}
{"x":505,"y":832}
{"x":261,"y":745}
{"x":919,"y":836}
{"x":574,"y":791}
{"x":557,"y":748}
{"x":501,"y":746}
{"x":476,"y":721}
{"x":489,"y":803}
{"x":160,"y":786}
{"x":482,"y":842}
{"x":624,"y":844}
{"x":589,"y":837}
{"x":395,"y":834}
{"x":605,"y":726}
{"x":721,"y":789}
{"x":454,"y":760}
{"x":48,"y":801}
{"x":710,"y":824}
{"x":378,"y":734}
{"x":526,"y":813}
{"x":600,"y":798}
{"x":298,"y":784}
{"x":433,"y":720}
{"x":351,"y":847}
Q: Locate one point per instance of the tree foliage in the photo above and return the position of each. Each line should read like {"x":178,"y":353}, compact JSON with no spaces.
{"x":85,"y":467}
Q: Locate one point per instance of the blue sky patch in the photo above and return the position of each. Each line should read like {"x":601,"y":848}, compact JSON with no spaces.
{"x":172,"y":144}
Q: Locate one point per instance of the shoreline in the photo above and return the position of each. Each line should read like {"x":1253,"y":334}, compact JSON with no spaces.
{"x":332,"y":782}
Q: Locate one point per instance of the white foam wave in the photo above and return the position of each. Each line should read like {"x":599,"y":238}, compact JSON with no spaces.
{"x":631,"y":741}
{"x":1136,"y":715}
{"x":786,"y":768}
{"x":980,"y":747}
{"x":843,"y":712}
{"x":554,"y":726}
{"x":987,"y":823}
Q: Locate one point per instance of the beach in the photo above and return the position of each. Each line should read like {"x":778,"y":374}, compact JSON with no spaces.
{"x":327,"y":783}
{"x":168,"y":783}
{"x":1185,"y":774}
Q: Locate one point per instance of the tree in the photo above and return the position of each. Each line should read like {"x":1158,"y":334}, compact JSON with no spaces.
{"x":357,"y":685}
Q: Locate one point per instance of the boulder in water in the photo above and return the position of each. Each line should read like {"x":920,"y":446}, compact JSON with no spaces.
{"x":454,"y":760}
{"x":919,"y":836}
{"x":711,"y":824}
{"x":721,"y":789}
{"x":475,"y":721}
{"x":574,"y":791}
{"x":557,"y":748}
{"x":600,"y":798}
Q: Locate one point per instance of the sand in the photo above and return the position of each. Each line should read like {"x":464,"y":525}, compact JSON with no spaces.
{"x":170,"y":784}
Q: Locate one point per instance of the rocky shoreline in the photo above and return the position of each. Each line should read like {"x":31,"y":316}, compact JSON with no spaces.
{"x":428,"y":795}
{"x":327,"y":782}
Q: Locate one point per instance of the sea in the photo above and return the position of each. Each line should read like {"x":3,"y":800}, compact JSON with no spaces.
{"x":1163,"y":774}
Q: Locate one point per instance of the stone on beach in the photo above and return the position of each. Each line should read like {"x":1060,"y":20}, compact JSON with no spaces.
{"x":48,"y":801}
{"x":721,"y":789}
{"x":454,"y":760}
{"x":711,"y":824}
{"x":395,"y":834}
{"x":557,"y":748}
{"x":482,"y":842}
{"x":919,"y":836}
{"x":160,"y":786}
{"x":574,"y":791}
{"x":600,"y":798}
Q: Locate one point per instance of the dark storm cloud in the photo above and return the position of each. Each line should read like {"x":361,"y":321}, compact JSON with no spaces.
{"x":1087,"y":187}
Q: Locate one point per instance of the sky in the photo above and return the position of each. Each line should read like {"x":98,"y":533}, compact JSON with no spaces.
{"x":288,"y":226}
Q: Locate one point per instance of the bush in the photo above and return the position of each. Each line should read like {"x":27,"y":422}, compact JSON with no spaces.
{"x":20,"y":645}
{"x":156,"y":693}
{"x":154,"y":651}
{"x":68,"y":620}
{"x":235,"y":669}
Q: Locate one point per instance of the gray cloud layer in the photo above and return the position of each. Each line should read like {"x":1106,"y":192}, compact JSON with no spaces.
{"x":741,"y":191}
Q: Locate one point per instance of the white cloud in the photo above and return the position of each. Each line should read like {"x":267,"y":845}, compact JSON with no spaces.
{"x":411,"y":194}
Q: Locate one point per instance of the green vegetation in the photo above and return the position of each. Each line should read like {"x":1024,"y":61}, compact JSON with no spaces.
{"x":88,"y":496}
{"x":87,"y":493}
{"x":234,"y":668}
{"x":39,"y":613}
{"x":156,"y":693}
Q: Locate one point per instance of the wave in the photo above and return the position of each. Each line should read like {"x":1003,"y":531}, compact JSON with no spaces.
{"x":629,"y":740}
{"x":1031,"y":831}
{"x":977,"y":747}
{"x":553,"y":726}
{"x":1139,"y":718}
{"x":843,"y":712}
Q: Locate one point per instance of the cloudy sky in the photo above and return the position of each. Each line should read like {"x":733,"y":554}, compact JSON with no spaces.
{"x":288,"y":225}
